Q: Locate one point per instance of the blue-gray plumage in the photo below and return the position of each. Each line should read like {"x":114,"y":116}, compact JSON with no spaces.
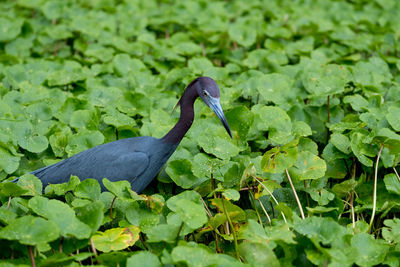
{"x":137,"y":159}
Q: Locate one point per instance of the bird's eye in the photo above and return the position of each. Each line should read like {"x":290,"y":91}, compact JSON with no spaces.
{"x":205,"y":92}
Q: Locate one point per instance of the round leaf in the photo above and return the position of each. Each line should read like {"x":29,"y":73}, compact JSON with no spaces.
{"x":116,"y":238}
{"x":308,"y":166}
{"x":30,"y":230}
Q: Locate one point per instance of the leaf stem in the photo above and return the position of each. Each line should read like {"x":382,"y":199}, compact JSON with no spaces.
{"x":206,"y":207}
{"x":213,"y":185}
{"x":247,"y":188}
{"x":265,"y":211}
{"x":270,"y":193}
{"x":9,"y":202}
{"x":111,"y":207}
{"x":214,"y":233}
{"x":31,"y":256}
{"x":93,"y":247}
{"x":295,"y":195}
{"x":375,"y":186}
{"x":233,"y":230}
{"x":60,"y":248}
{"x":255,"y":207}
{"x":397,"y":174}
{"x":141,"y":237}
{"x":179,"y":232}
{"x":77,"y":253}
{"x":353,"y":219}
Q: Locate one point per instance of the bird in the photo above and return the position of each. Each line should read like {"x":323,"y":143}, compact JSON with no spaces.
{"x":136,"y":159}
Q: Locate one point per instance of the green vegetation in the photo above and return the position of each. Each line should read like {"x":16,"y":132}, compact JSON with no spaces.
{"x":311,"y":90}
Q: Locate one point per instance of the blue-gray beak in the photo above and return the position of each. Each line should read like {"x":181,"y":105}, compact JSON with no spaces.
{"x":215,"y":105}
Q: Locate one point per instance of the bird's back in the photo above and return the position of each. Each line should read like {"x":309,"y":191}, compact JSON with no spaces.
{"x":137,"y":160}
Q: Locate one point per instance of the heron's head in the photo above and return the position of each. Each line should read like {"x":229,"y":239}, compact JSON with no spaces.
{"x":208,"y":90}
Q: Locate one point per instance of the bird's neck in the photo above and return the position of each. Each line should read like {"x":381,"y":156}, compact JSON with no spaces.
{"x":186,"y":118}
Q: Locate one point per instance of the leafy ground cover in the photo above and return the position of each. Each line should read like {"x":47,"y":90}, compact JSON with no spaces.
{"x":310,"y":89}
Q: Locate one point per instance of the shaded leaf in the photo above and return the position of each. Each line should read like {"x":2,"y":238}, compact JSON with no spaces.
{"x":30,"y":230}
{"x":62,"y":215}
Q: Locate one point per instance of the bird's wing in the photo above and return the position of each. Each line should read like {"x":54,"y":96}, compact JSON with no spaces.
{"x":110,"y":165}
{"x":126,"y":167}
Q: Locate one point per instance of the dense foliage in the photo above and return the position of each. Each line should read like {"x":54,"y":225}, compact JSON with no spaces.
{"x":310,"y":89}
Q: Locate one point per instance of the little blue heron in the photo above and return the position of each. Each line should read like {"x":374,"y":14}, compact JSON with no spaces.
{"x":136,"y":159}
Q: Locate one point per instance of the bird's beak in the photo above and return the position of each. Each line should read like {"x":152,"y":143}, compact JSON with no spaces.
{"x":215,"y":105}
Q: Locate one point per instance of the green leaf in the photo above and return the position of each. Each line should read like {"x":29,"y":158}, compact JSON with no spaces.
{"x":9,"y":162}
{"x":300,"y":128}
{"x":99,"y":52}
{"x":8,"y":189}
{"x":142,"y":258}
{"x":341,"y":142}
{"x":235,"y":212}
{"x":142,"y":217}
{"x":61,"y":214}
{"x":393,"y":117}
{"x":119,"y":120}
{"x":242,"y":34}
{"x":89,"y":189}
{"x":324,"y":230}
{"x":52,"y":9}
{"x":187,"y":48}
{"x":116,"y":238}
{"x":308,"y":166}
{"x":28,"y":138}
{"x":344,"y":188}
{"x":322,"y":196}
{"x":275,"y":87}
{"x":372,"y":73}
{"x":326,"y":80}
{"x":391,"y":233}
{"x":280,"y":232}
{"x":204,"y":166}
{"x":163,"y":232}
{"x":63,"y":188}
{"x":30,"y":230}
{"x":124,"y":64}
{"x":84,"y":119}
{"x":197,"y":256}
{"x":180,"y":171}
{"x":30,"y":183}
{"x":392,"y":183}
{"x":231,"y":194}
{"x":189,"y":207}
{"x":253,"y":232}
{"x":271,"y":185}
{"x":91,"y":214}
{"x":119,"y":188}
{"x":278,"y":159}
{"x":35,"y":143}
{"x":83,"y":140}
{"x":65,"y":77}
{"x":357,"y":102}
{"x":276,"y":121}
{"x":221,"y":147}
{"x":200,"y":65}
{"x":240,"y":119}
{"x":60,"y":259}
{"x":258,"y":254}
{"x":6,"y":216}
{"x":360,"y":149}
{"x":10,"y":28}
{"x":320,"y":209}
{"x":370,"y":251}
